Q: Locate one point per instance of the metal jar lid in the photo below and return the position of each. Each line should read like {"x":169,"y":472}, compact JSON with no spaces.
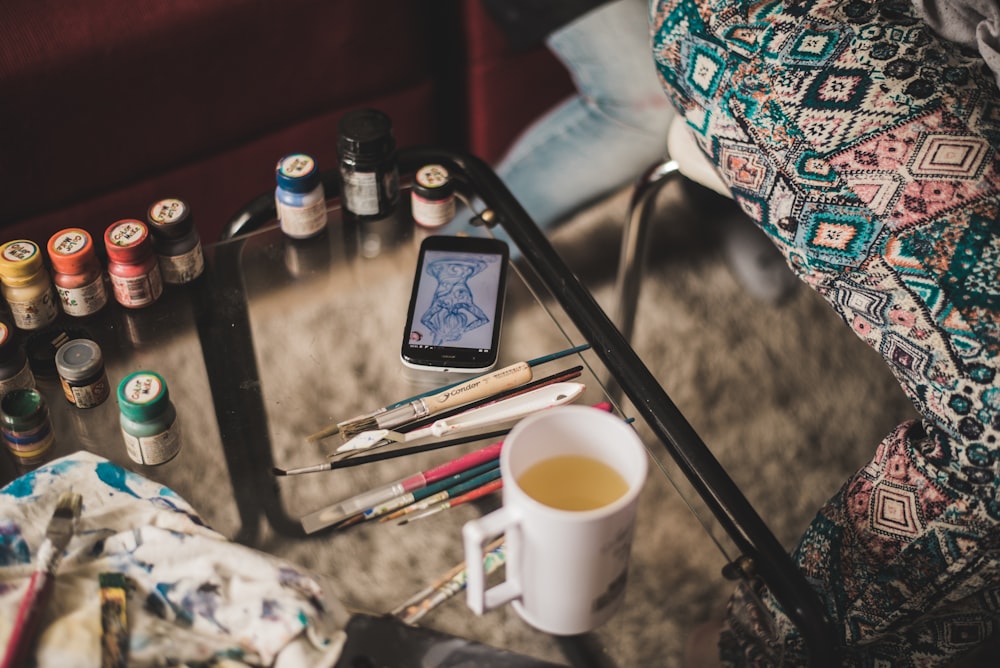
{"x":78,"y":359}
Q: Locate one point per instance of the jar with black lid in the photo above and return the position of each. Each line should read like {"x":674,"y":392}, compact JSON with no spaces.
{"x":368,"y":172}
{"x":176,"y":242}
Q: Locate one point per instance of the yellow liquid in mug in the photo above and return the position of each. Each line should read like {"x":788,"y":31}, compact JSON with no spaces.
{"x":572,"y":482}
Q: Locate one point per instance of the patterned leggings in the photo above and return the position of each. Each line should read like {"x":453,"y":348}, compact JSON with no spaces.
{"x":866,"y":147}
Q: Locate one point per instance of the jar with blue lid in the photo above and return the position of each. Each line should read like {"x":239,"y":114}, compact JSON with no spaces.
{"x":148,"y":418}
{"x":299,"y":198}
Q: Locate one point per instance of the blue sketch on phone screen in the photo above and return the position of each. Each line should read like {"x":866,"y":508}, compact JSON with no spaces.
{"x":459,"y":303}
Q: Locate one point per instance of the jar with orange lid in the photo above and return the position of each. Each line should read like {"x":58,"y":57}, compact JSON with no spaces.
{"x":76,"y":272}
{"x":26,"y":285}
{"x":132,"y":267}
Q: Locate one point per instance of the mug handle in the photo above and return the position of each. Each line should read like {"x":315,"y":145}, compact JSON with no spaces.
{"x":475,"y":534}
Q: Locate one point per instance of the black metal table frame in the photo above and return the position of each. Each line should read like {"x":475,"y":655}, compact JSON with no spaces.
{"x":761,"y":553}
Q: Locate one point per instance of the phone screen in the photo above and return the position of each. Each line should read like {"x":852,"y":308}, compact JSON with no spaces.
{"x":456,"y":304}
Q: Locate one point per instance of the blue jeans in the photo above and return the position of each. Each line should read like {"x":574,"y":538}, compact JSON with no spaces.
{"x":603,"y":136}
{"x":607,"y":133}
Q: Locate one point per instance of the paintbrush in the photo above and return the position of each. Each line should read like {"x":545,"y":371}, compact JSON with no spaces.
{"x":453,"y":491}
{"x":473,"y":494}
{"x":494,"y":558}
{"x":558,"y":377}
{"x":419,"y":495}
{"x":477,"y":388}
{"x":566,"y":374}
{"x":505,"y":410}
{"x":342,"y":510}
{"x":429,"y":589}
{"x":442,"y":398}
{"x":29,"y":614}
{"x":338,"y":512}
{"x":392,"y":454}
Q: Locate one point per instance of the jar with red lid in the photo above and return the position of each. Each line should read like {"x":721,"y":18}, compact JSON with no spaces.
{"x":132,"y":267}
{"x":76,"y":272}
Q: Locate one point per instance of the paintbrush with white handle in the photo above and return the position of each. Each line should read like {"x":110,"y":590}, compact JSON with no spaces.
{"x":477,"y":388}
{"x":505,"y":410}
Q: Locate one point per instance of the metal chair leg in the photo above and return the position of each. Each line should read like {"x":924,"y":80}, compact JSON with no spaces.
{"x":634,"y":241}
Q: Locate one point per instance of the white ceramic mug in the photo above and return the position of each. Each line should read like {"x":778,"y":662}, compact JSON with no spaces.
{"x":566,"y":569}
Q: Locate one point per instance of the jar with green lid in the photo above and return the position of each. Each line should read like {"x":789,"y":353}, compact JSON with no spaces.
{"x":148,"y":418}
{"x":26,"y":285}
{"x":25,"y":425}
{"x":81,"y":372}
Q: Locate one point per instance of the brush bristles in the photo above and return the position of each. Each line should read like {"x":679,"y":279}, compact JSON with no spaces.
{"x":329,"y":430}
{"x":69,"y":505}
{"x":355,"y":427}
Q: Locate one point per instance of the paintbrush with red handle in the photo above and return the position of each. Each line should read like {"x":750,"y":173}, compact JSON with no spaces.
{"x":29,"y":614}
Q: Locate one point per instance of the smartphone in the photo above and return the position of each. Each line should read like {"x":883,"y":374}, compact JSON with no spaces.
{"x":453,"y":320}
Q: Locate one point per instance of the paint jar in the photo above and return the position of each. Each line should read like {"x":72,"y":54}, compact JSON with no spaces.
{"x":15,"y":372}
{"x":25,"y":425}
{"x":26,"y":285}
{"x":80,"y":365}
{"x":76,"y":272}
{"x":148,"y":418}
{"x":134,"y":271}
{"x":368,"y":172}
{"x":176,"y":243}
{"x":41,"y":348}
{"x":432,"y":198}
{"x":299,"y":197}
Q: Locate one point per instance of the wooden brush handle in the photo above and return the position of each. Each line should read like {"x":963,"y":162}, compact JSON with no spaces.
{"x":480,"y":387}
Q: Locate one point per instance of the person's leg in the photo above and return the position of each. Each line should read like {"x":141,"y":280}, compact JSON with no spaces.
{"x":608,"y":132}
{"x":880,"y":181}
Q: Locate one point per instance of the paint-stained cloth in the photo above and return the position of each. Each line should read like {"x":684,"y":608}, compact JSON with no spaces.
{"x":193,"y":596}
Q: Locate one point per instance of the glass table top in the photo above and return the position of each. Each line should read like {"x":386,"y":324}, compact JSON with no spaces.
{"x":280,"y":338}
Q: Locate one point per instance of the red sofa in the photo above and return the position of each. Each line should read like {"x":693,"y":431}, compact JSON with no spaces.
{"x":109,"y":105}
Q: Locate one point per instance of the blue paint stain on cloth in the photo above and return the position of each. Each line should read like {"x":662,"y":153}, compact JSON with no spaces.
{"x":194,"y":597}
